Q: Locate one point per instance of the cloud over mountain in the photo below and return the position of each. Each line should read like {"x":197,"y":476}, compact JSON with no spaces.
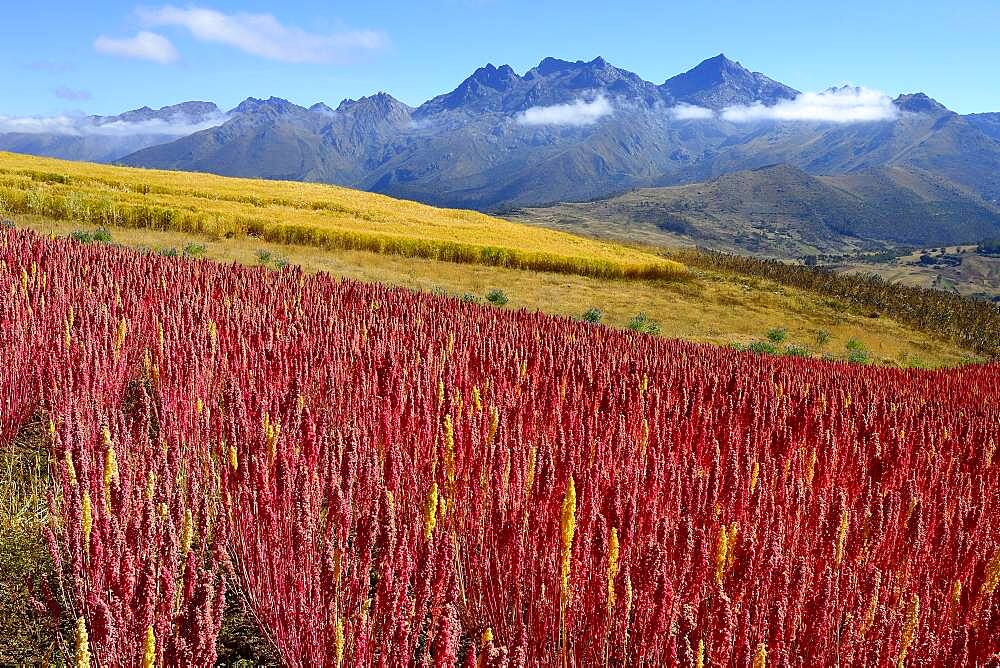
{"x":577,"y":113}
{"x":83,"y":126}
{"x":846,"y":104}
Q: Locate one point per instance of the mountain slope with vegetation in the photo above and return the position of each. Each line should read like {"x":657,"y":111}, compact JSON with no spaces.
{"x":782,"y":211}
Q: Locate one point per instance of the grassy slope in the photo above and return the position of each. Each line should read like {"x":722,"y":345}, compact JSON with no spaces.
{"x":311,"y":214}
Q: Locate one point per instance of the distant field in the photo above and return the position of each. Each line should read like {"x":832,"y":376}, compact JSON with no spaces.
{"x":306,"y":214}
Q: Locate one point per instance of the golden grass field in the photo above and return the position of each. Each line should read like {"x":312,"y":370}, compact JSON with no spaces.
{"x":323,"y":216}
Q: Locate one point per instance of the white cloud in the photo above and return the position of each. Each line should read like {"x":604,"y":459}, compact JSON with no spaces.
{"x":578,"y":113}
{"x":847,"y":104}
{"x":687,"y":112}
{"x":144,"y":46}
{"x":82,"y":126}
{"x":263,"y":35}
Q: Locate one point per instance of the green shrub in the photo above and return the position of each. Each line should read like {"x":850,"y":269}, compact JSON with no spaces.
{"x":194,"y":250}
{"x":644,"y":324}
{"x":497,"y":297}
{"x":777,"y":335}
{"x":822,"y":337}
{"x":762,"y":347}
{"x":7,"y":224}
{"x":593,"y":316}
{"x":858,"y":356}
{"x":469,"y":298}
{"x":854,"y":345}
{"x":168,"y":252}
{"x":797,"y":351}
{"x":83,"y":236}
{"x":102,"y":235}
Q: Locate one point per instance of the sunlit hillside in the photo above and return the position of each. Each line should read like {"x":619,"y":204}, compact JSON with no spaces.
{"x":309,"y":214}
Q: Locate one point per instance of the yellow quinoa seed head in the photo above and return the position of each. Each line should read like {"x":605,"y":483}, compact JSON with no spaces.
{"x":70,"y":468}
{"x":845,"y":520}
{"x":88,"y":517}
{"x":568,"y":529}
{"x":430,"y":512}
{"x":613,"y":553}
{"x":339,"y":642}
{"x":760,"y":658}
{"x":187,"y":532}
{"x":82,"y":644}
{"x":149,"y":649}
{"x":721,"y":553}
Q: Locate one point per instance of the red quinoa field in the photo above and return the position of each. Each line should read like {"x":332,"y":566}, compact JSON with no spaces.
{"x":392,"y":478}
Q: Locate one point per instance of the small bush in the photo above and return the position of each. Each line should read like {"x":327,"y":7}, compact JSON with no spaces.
{"x":279,"y":262}
{"x":497,"y":297}
{"x":469,"y":298}
{"x":858,"y":356}
{"x":83,"y":236}
{"x":593,"y":316}
{"x":7,"y":224}
{"x":194,"y":250}
{"x":777,"y":335}
{"x":797,"y":351}
{"x":822,"y":337}
{"x":264,"y":256}
{"x":762,"y":347}
{"x":168,"y":252}
{"x":101,"y":235}
{"x":854,"y":345}
{"x":644,"y":324}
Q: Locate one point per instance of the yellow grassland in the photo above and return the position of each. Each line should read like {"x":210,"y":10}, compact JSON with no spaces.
{"x":306,"y":214}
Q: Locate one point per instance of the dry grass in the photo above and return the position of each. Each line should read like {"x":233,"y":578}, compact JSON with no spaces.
{"x":324,"y":216}
{"x":24,"y":637}
{"x":710,"y":307}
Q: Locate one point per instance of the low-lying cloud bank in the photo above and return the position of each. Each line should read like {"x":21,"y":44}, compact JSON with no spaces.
{"x":847,"y":104}
{"x":83,"y":126}
{"x":576,"y":113}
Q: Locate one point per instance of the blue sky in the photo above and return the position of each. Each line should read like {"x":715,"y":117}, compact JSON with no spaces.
{"x":105,"y":57}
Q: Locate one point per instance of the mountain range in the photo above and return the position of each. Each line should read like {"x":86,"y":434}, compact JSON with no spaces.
{"x":570,"y":131}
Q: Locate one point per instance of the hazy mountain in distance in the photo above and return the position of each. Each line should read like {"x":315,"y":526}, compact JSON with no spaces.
{"x":108,"y":138}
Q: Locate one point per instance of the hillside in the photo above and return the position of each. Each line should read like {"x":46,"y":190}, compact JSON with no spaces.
{"x":323,"y":216}
{"x":782,"y":211}
{"x":262,"y":222}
